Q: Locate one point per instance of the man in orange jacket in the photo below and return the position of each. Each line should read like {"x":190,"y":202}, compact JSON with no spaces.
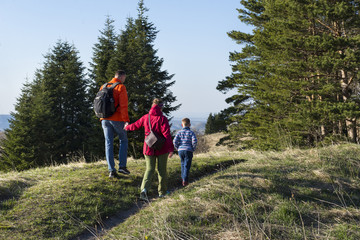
{"x":115,"y":125}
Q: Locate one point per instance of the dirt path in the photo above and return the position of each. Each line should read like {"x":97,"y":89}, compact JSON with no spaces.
{"x":96,"y":233}
{"x":92,"y":233}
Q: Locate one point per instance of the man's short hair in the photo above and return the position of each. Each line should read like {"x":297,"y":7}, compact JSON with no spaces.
{"x":186,"y":122}
{"x":120,"y":72}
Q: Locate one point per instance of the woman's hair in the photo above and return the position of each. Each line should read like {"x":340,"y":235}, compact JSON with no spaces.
{"x":158,"y":101}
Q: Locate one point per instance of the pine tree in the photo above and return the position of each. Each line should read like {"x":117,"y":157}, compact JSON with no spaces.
{"x":103,"y":51}
{"x":209,"y":126}
{"x":297,"y":76}
{"x":145,"y":80}
{"x":18,"y":152}
{"x":217,"y":122}
{"x":52,"y":116}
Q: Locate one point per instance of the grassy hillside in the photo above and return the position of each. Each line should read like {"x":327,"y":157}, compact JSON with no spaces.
{"x":296,"y":194}
{"x":60,"y":202}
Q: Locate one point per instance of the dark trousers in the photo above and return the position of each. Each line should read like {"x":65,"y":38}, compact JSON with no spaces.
{"x":186,"y":159}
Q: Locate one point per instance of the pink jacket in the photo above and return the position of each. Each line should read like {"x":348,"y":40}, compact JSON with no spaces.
{"x":159,"y":124}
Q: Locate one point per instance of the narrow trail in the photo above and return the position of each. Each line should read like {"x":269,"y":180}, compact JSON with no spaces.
{"x":96,"y":233}
{"x":101,"y":228}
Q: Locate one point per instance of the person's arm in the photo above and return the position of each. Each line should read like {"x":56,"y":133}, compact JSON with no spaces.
{"x":123,"y":99}
{"x":165,"y":130}
{"x":136,"y":125}
{"x":194,"y":141}
{"x":176,"y":141}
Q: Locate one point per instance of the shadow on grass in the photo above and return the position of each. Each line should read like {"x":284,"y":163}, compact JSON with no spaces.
{"x":329,"y":194}
{"x":174,"y":184}
{"x":197,"y":172}
{"x":12,"y":191}
{"x":324,"y":194}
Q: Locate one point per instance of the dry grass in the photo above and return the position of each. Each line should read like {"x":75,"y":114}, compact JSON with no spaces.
{"x":296,"y":194}
{"x":59,"y":202}
{"x":212,"y":141}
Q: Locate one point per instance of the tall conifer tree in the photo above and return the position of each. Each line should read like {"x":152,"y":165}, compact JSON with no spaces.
{"x":216,"y":122}
{"x":51,"y":121}
{"x":136,"y":55}
{"x":297,"y":76}
{"x":103,"y":51}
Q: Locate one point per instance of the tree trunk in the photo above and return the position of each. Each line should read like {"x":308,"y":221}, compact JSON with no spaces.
{"x":351,"y":129}
{"x":350,"y":123}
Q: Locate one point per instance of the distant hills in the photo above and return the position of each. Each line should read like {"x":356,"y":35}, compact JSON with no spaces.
{"x":196,"y":123}
{"x":4,"y":123}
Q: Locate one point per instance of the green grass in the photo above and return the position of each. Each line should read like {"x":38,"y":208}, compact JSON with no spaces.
{"x":295,"y":194}
{"x":60,"y":202}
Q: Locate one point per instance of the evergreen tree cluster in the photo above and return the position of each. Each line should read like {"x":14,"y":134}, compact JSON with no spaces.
{"x":297,"y":75}
{"x":216,"y":123}
{"x":53,"y":119}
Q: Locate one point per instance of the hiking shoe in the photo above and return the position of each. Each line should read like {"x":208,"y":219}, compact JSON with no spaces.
{"x":143,"y":195}
{"x":163,"y":195}
{"x":113,"y":174}
{"x":124,"y":170}
{"x":185,"y":183}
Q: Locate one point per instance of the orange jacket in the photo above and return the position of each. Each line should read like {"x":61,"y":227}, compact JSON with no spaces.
{"x":120,"y":94}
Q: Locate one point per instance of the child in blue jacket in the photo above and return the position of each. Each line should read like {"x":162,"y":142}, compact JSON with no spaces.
{"x":185,"y":142}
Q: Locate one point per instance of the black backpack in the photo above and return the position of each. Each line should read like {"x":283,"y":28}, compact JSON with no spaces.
{"x":104,"y":103}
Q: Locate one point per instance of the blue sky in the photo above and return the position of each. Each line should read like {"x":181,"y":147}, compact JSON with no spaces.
{"x":192,"y":40}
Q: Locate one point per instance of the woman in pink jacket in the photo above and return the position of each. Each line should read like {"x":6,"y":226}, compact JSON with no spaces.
{"x":159,"y":124}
